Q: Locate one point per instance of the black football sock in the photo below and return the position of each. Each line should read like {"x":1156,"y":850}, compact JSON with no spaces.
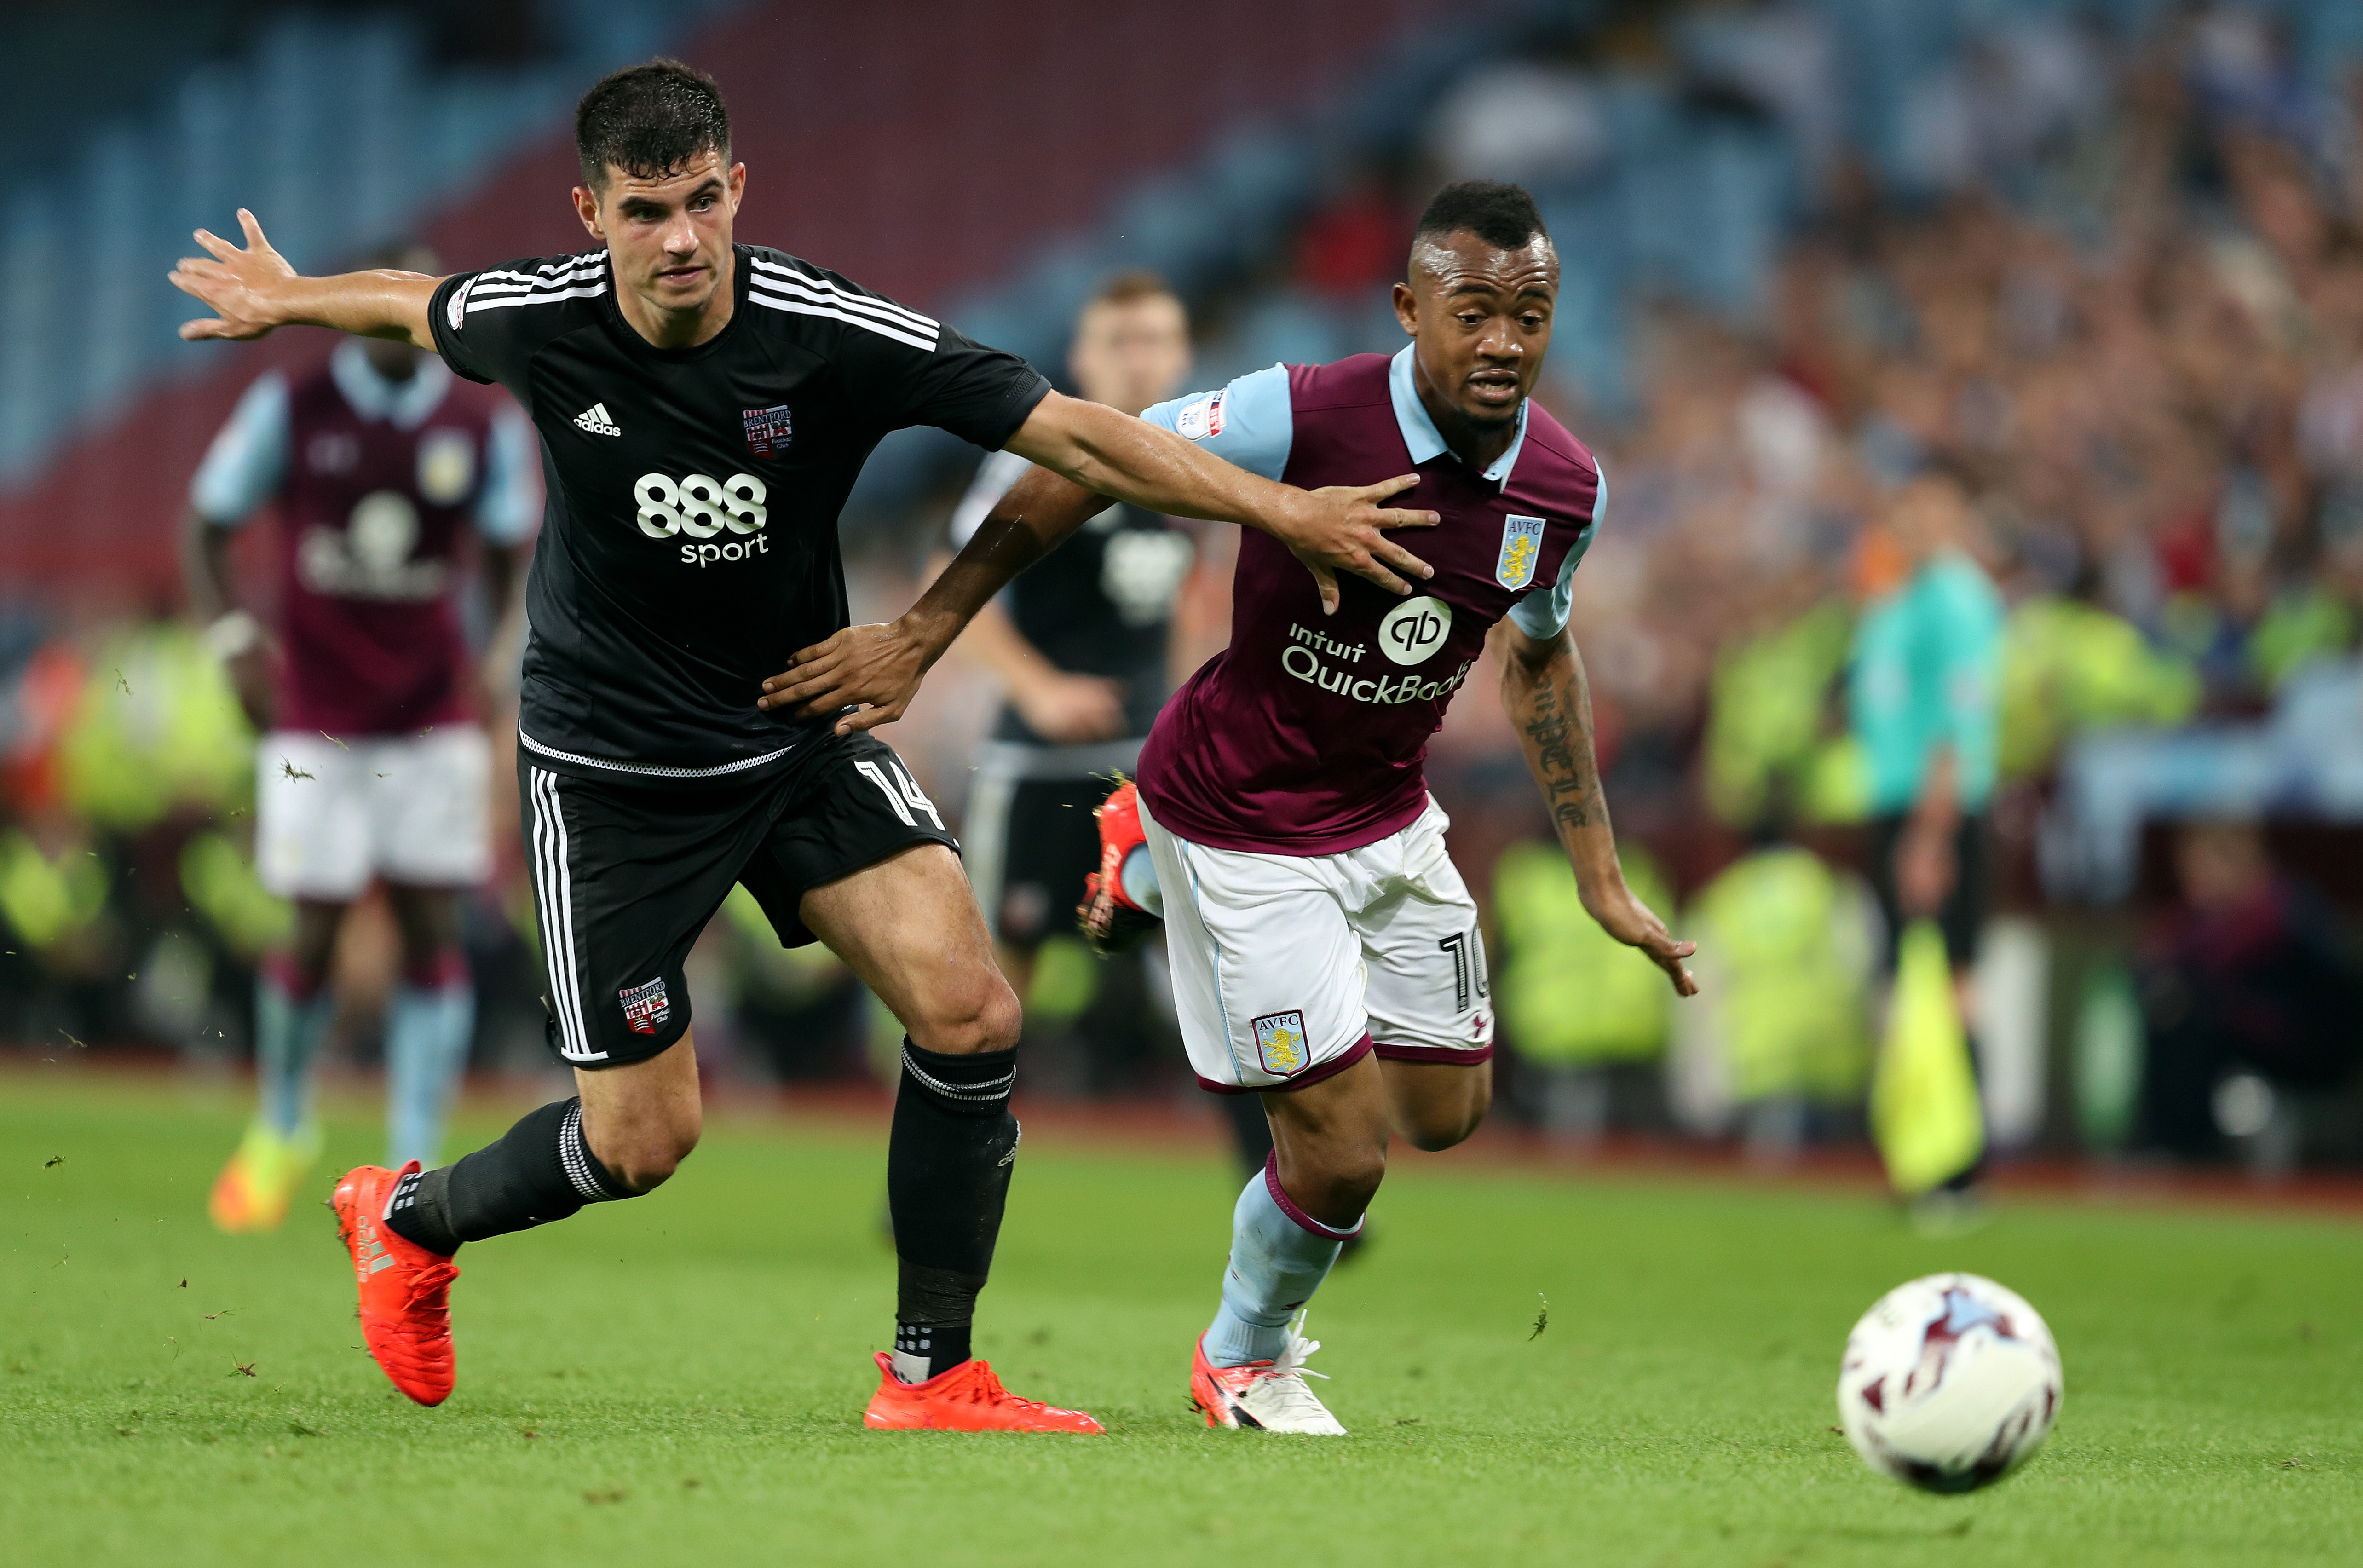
{"x":948,"y":1168}
{"x":542,"y":1169}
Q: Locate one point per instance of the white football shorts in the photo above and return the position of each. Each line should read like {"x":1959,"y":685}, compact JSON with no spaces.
{"x":1288,"y":968}
{"x":330,"y":816}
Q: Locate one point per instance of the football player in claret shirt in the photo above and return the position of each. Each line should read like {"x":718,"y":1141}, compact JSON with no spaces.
{"x":1326,"y":953}
{"x":704,"y":410}
{"x":372,"y":764}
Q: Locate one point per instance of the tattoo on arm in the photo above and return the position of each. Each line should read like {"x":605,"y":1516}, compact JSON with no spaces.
{"x":1557,"y":725}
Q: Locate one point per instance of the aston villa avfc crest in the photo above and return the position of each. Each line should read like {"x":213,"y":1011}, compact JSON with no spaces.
{"x":768,"y":429}
{"x":1279,"y":1042}
{"x":1522,"y":545}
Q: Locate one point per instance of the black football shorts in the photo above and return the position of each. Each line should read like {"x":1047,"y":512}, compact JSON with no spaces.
{"x":627,"y":875}
{"x":1031,"y":842}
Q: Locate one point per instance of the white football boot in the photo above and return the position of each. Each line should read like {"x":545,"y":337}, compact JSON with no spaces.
{"x":1271,"y":1394}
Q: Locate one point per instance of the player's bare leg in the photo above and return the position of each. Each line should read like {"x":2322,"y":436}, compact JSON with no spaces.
{"x":290,"y":1014}
{"x":642,"y":1120}
{"x":909,"y":928}
{"x":1433,"y":1104}
{"x":1329,"y":1155}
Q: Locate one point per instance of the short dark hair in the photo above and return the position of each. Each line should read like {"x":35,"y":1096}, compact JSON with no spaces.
{"x":649,"y":121}
{"x":402,"y":255}
{"x":1501,"y":214}
{"x":1133,"y":283}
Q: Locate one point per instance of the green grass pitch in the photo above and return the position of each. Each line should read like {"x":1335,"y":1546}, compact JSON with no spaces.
{"x":680,"y":1380}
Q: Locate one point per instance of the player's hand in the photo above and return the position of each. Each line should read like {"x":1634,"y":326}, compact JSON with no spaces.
{"x":1342,"y":529}
{"x":1068,"y":709}
{"x":244,"y":288}
{"x":874,"y":669}
{"x":1635,"y":925}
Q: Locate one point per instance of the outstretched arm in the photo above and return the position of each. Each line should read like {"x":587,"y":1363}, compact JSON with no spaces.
{"x":1330,"y":530}
{"x":254,"y":290}
{"x":881,"y":666}
{"x":1059,"y":705}
{"x":1549,"y":701}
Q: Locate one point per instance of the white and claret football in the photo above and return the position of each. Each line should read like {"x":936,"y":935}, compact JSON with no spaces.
{"x":1950,"y":1382}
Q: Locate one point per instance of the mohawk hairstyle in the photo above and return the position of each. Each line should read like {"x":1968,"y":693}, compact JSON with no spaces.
{"x":1501,"y":214}
{"x":649,"y":121}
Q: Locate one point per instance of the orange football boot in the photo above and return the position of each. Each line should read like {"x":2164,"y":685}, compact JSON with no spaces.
{"x":405,"y":1289}
{"x":1110,"y":921}
{"x":967,"y":1399}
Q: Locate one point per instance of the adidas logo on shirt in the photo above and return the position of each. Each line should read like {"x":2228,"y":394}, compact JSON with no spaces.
{"x":594,"y":419}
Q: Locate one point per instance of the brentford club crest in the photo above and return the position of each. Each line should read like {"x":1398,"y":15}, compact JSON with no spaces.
{"x":645,"y":1007}
{"x":768,"y":429}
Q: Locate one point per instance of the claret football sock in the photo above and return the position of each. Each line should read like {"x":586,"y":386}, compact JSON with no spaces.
{"x":289,"y":1019}
{"x":542,"y":1169}
{"x":1280,"y":1256}
{"x":948,"y":1166}
{"x":428,"y":1023}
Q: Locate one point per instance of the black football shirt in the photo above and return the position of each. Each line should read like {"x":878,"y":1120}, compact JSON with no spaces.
{"x":1100,"y":603}
{"x":689,"y":544}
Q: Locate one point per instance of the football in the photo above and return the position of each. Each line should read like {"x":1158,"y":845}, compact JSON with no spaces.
{"x":1950,"y":1382}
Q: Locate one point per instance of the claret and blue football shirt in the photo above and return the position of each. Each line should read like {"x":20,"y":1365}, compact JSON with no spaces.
{"x":1307,"y":734}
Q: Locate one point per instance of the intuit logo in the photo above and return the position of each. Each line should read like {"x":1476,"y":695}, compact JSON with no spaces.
{"x":1302,"y":658}
{"x":1322,"y":643}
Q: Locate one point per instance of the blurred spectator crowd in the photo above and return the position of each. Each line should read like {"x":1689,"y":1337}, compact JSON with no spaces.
{"x":2106,"y":279}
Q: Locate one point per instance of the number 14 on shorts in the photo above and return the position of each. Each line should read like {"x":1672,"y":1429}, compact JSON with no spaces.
{"x":902,"y":793}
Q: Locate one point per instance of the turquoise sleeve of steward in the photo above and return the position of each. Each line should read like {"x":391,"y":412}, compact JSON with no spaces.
{"x":1967,"y":623}
{"x":247,"y":459}
{"x":1249,"y":424}
{"x":1542,"y":613}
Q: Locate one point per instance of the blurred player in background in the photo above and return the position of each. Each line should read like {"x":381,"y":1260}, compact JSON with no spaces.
{"x":1326,"y":951}
{"x":1082,"y":643}
{"x":374,"y":763}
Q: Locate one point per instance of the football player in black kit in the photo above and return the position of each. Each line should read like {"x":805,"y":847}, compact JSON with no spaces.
{"x":1082,"y":642}
{"x":704,"y":408}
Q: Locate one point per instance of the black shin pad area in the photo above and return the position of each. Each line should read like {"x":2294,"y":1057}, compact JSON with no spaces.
{"x":947,"y":1169}
{"x":540,"y":1170}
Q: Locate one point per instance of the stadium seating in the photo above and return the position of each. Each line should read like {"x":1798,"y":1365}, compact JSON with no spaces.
{"x":338,"y":133}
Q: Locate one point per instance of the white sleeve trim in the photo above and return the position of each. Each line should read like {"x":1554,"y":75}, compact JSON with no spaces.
{"x":1543,"y":613}
{"x":248,"y":458}
{"x":1250,"y":423}
{"x":994,"y":478}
